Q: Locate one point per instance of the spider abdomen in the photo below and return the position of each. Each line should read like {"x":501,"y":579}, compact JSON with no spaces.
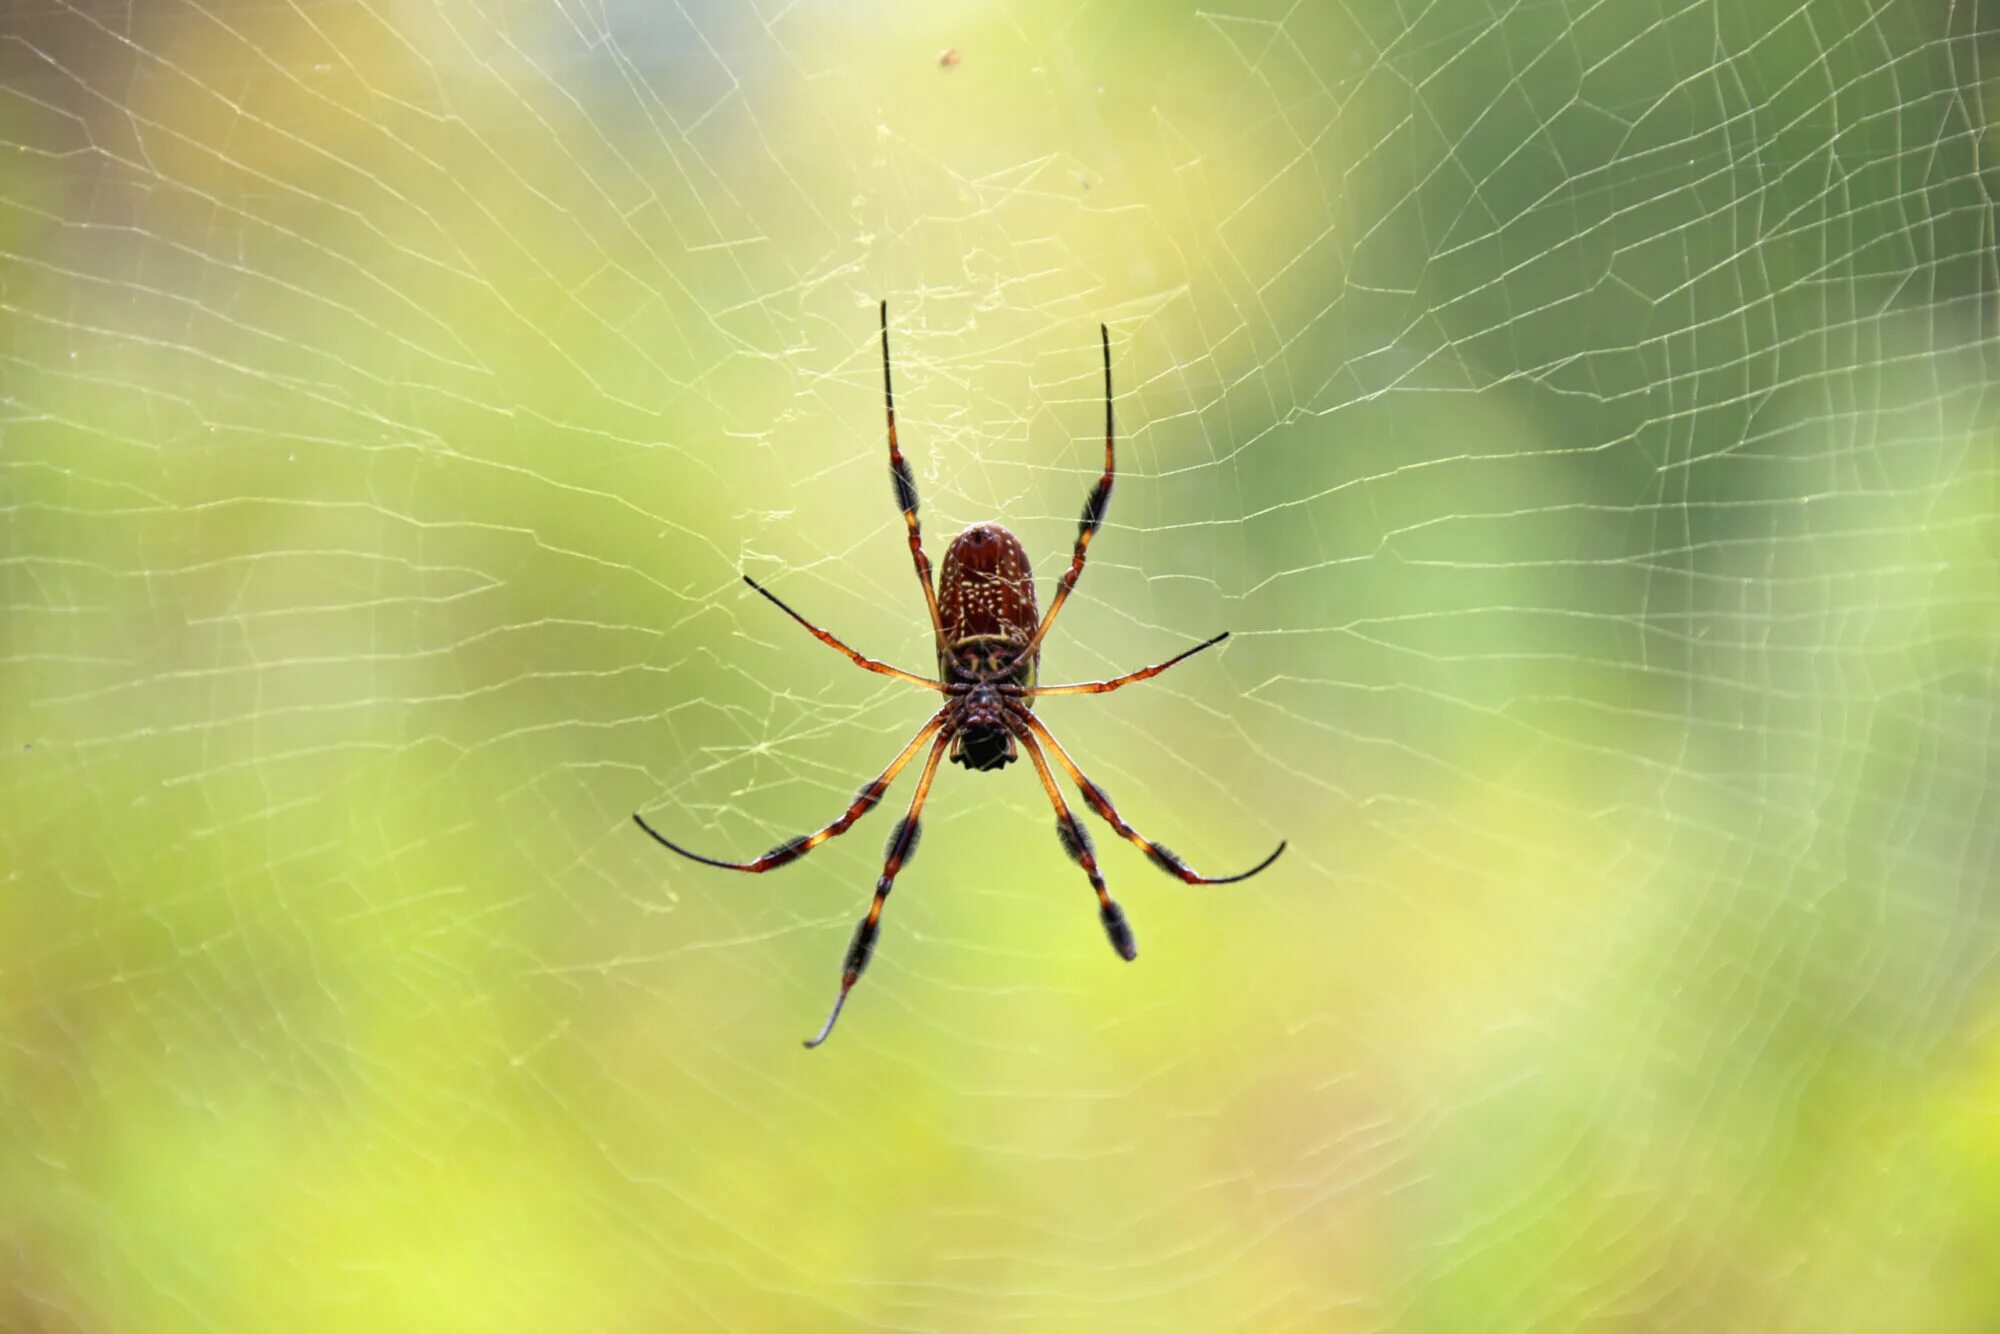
{"x":986,"y":605}
{"x":986,"y":609}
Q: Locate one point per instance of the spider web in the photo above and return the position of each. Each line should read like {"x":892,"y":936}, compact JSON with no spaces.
{"x":1578,"y":412}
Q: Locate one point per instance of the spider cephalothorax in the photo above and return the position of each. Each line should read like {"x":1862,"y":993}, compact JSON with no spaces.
{"x":989,"y":639}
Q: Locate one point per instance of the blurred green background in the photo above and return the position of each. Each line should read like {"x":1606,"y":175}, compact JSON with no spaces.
{"x":1579,"y":413}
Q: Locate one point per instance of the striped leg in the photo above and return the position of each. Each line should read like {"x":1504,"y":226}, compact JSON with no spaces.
{"x":1105,"y":687}
{"x":1093,"y":514}
{"x":906,"y":492}
{"x":793,"y":849}
{"x":1099,"y":802}
{"x":902,"y":843}
{"x":1076,"y":842}
{"x":859,"y":660}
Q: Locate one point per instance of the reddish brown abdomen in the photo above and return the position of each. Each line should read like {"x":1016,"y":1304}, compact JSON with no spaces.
{"x":986,"y":598}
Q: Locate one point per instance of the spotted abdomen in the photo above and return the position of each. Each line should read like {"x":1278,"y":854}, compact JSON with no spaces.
{"x":986,"y":606}
{"x":986,"y":603}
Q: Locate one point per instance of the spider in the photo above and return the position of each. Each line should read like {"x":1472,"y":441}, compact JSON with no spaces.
{"x":989,"y":641}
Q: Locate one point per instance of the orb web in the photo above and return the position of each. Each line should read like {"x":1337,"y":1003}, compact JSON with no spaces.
{"x":1577,"y":413}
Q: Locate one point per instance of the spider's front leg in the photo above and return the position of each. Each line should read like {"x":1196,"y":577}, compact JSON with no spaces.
{"x":1076,"y":842}
{"x":902,"y":842}
{"x":792,"y":849}
{"x":1099,"y":801}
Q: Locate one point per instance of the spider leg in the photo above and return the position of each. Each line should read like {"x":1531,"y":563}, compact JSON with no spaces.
{"x":793,"y":849}
{"x":1093,"y":515}
{"x":1104,"y":687}
{"x":881,"y":668}
{"x":906,"y":492}
{"x":902,"y":843}
{"x":1076,"y":842}
{"x":1101,"y":803}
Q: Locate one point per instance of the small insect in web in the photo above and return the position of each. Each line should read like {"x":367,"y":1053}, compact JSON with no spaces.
{"x":989,"y":641}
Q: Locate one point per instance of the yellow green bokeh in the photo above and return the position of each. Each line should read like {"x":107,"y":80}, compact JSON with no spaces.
{"x":1579,"y":414}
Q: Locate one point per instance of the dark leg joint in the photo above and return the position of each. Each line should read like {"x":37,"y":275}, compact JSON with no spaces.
{"x":788,"y":851}
{"x":1094,"y":506}
{"x":906,"y":485}
{"x":1074,"y":837}
{"x":1120,"y":930}
{"x":859,"y":951}
{"x":902,"y":843}
{"x":1163,"y":858}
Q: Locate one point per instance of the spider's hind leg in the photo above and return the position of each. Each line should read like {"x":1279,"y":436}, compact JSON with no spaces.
{"x":906,"y":492}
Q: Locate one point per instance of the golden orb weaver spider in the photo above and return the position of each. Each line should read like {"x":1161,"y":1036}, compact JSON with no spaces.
{"x":989,"y":643}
